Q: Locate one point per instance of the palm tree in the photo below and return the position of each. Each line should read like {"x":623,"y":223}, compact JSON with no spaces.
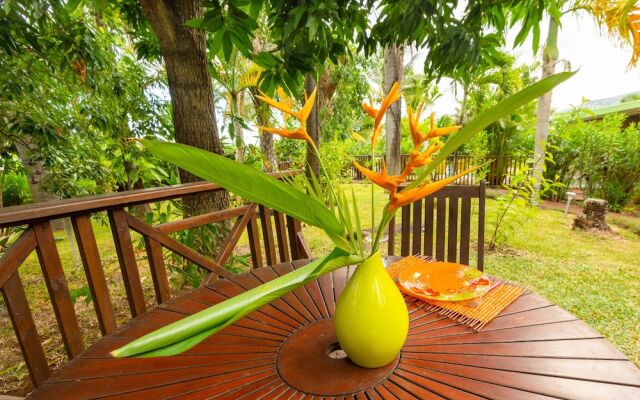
{"x":236,"y":76}
{"x":393,"y":68}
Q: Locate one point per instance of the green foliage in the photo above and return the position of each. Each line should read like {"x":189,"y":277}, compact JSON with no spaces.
{"x":513,"y":134}
{"x":457,"y":39}
{"x":83,"y":292}
{"x":15,"y":189}
{"x":290,"y":150}
{"x":184,"y":273}
{"x":72,"y":92}
{"x":307,"y":34}
{"x":248,"y":183}
{"x":603,"y":156}
{"x":512,"y":209}
{"x":516,"y":207}
{"x":337,"y":157}
{"x":417,"y":88}
{"x":343,"y":113}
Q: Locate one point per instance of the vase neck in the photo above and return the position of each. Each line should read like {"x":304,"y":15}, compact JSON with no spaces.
{"x":373,"y":262}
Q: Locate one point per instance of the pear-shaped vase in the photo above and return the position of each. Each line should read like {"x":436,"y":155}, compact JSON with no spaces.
{"x":371,"y":319}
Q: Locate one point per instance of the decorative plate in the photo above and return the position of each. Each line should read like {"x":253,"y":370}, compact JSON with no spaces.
{"x":443,"y":281}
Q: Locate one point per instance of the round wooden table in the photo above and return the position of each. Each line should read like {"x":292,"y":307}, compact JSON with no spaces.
{"x":287,"y":350}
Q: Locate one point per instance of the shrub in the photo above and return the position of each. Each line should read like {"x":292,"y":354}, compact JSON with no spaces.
{"x":603,"y":156}
{"x":15,"y":190}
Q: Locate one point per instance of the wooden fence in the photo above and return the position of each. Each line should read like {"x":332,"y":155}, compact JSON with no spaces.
{"x":267,"y":246}
{"x":497,"y":173}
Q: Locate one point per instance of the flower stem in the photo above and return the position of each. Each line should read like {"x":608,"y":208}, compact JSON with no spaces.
{"x":373,"y":205}
{"x":332,"y":191}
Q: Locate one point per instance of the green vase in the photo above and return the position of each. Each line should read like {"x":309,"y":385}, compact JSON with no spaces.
{"x":371,"y":318}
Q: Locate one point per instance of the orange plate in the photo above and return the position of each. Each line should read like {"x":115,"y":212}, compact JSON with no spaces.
{"x":443,"y":281}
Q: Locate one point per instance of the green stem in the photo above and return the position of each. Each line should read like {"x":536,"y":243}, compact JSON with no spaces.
{"x":332,"y":191}
{"x":373,"y":205}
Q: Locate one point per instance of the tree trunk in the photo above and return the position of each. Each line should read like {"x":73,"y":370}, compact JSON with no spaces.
{"x":463,"y":103}
{"x":313,"y":163}
{"x":36,"y":175}
{"x":549,"y":59}
{"x":184,"y":53}
{"x":269,"y":159}
{"x":34,"y":167}
{"x":326,"y":89}
{"x":237,"y":104}
{"x":393,"y":65}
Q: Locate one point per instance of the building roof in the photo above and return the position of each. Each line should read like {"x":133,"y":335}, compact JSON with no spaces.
{"x":617,"y":104}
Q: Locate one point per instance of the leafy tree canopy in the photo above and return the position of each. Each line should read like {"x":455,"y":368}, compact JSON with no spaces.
{"x":307,"y":33}
{"x":72,"y":91}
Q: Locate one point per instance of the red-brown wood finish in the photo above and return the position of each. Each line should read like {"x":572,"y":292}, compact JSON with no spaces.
{"x":38,"y":236}
{"x":447,"y":216}
{"x":533,"y":350}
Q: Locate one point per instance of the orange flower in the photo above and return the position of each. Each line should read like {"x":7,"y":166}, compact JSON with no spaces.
{"x":301,"y":115}
{"x":370,"y":110}
{"x":286,"y":100}
{"x":378,"y":113}
{"x":300,"y":133}
{"x":381,"y":179}
{"x":437,"y":132}
{"x":408,"y":196}
{"x":414,"y":126}
{"x":417,"y":159}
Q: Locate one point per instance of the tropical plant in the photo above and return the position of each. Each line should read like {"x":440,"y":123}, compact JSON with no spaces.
{"x":236,"y":76}
{"x":15,"y":189}
{"x":602,"y":156}
{"x":71,"y":92}
{"x":515,"y":207}
{"x":340,"y":221}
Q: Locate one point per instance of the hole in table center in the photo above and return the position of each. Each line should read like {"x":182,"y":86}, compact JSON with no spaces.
{"x":335,"y":351}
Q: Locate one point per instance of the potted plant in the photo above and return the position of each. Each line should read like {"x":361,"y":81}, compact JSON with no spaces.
{"x":371,"y":318}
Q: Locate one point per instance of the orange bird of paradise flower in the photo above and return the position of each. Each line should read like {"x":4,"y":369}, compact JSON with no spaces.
{"x":408,"y":196}
{"x":382,"y":179}
{"x":417,"y":158}
{"x":301,"y":115}
{"x":437,"y":132}
{"x":378,"y":113}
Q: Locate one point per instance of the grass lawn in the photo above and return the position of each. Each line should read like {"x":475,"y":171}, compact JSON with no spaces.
{"x":595,"y":276}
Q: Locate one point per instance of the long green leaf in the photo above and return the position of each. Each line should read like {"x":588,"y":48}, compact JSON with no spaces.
{"x":479,"y":123}
{"x":184,"y":334}
{"x":488,"y":117}
{"x":247,"y":183}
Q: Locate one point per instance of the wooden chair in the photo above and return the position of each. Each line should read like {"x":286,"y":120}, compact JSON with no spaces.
{"x":449,"y":227}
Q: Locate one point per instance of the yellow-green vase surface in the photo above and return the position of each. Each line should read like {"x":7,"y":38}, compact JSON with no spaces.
{"x":371,"y":318}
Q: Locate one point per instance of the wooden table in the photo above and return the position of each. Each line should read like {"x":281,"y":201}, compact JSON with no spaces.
{"x":533,"y":350}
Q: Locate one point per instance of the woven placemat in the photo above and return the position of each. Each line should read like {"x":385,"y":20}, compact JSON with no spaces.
{"x":475,"y":313}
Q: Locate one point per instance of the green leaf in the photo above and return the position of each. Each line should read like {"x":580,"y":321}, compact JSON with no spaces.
{"x":72,"y":5}
{"x":196,"y":23}
{"x":247,"y":183}
{"x":186,"y":333}
{"x":227,"y":46}
{"x":254,"y":8}
{"x":488,"y":117}
{"x":266,"y":59}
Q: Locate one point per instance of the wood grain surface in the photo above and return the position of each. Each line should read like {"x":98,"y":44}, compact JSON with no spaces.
{"x":533,"y":350}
